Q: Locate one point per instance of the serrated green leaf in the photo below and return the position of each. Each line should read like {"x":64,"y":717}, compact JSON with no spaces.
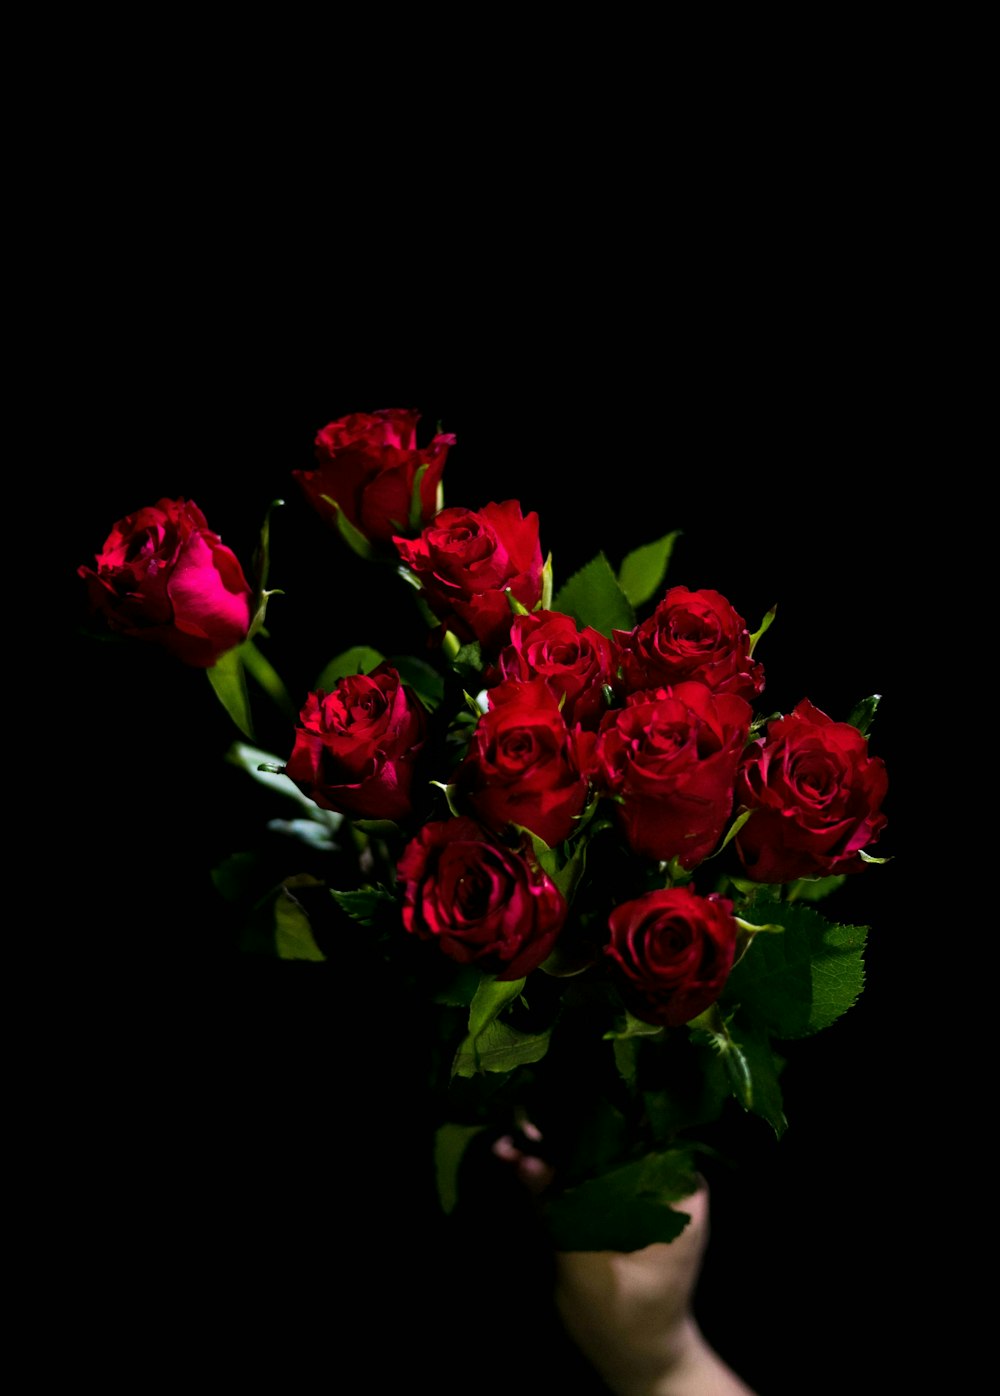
{"x":795,"y":984}
{"x":363,"y":904}
{"x":491,"y":998}
{"x":626,"y":1208}
{"x":450,"y":1144}
{"x":764,"y":1068}
{"x":293,"y":937}
{"x":499,"y":1048}
{"x":359,"y":659}
{"x":593,"y":597}
{"x":228,"y":678}
{"x":641,"y":573}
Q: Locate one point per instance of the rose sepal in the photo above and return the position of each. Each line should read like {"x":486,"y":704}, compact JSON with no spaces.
{"x":863,"y":713}
{"x":352,"y":536}
{"x":763,"y":628}
{"x":262,"y":567}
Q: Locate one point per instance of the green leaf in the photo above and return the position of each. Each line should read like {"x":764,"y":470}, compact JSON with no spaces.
{"x":228,"y":678}
{"x":626,"y":1208}
{"x":814,"y":889}
{"x":359,"y":659}
{"x":764,"y":1068}
{"x":642,"y":572}
{"x":795,"y":984}
{"x":293,"y":937}
{"x":364,"y":904}
{"x":863,"y":713}
{"x":422,"y":677}
{"x":715,"y":1030}
{"x":251,"y":758}
{"x":492,"y":997}
{"x":450,"y":1144}
{"x":263,"y":671}
{"x":546,"y":602}
{"x":593,"y":597}
{"x":499,"y":1048}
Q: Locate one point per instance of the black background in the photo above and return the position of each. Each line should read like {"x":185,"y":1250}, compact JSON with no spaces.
{"x":207,"y":1096}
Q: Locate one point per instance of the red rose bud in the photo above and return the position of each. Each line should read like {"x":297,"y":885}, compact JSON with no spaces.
{"x":576,"y":663}
{"x":525,"y":766}
{"x":816,"y":797}
{"x":165,"y":577}
{"x":466,"y":561}
{"x":671,"y":952}
{"x":482,"y":902}
{"x":691,"y":635}
{"x":368,"y":463}
{"x":356,"y":747}
{"x":671,"y":755}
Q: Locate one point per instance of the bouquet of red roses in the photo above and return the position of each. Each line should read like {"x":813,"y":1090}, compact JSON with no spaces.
{"x":564,"y":824}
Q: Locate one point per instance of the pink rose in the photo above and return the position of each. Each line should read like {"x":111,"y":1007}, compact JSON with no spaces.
{"x":467,"y":560}
{"x":671,"y":952}
{"x":369,"y":463}
{"x":355,"y":748}
{"x":483,"y":902}
{"x":816,"y":797}
{"x":165,"y":577}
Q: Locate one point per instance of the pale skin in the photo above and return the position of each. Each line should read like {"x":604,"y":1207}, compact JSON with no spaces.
{"x":630,"y":1313}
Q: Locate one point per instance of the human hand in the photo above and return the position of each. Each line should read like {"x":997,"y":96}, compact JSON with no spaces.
{"x":630,"y":1313}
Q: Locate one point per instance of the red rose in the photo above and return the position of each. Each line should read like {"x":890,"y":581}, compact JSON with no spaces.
{"x":356,"y":747}
{"x":816,"y":796}
{"x":525,"y":766}
{"x":164,"y":576}
{"x":368,"y":463}
{"x":670,"y":756}
{"x":467,"y":560}
{"x":691,"y":635}
{"x":576,"y":664}
{"x":484,"y":903}
{"x":671,"y":952}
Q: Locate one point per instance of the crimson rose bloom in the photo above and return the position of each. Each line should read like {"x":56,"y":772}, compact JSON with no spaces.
{"x":484,"y":903}
{"x":466,"y":560}
{"x":691,"y":635}
{"x":816,"y":797}
{"x":575,"y":663}
{"x":368,"y":462}
{"x":525,"y":766}
{"x":671,"y":952}
{"x":164,"y":576}
{"x":355,"y":748}
{"x":671,"y":756}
